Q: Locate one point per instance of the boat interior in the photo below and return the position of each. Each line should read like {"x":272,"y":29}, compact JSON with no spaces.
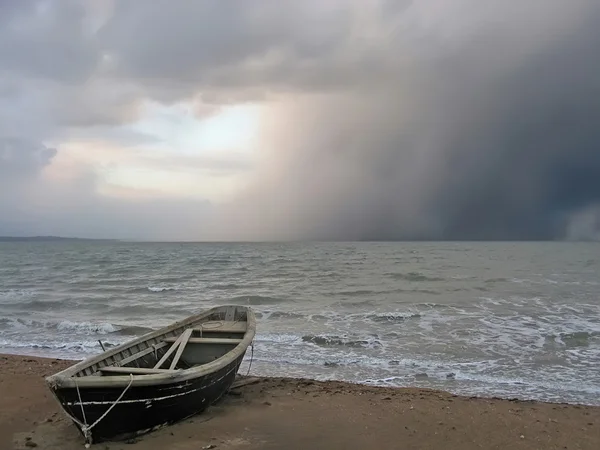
{"x":181,"y":347}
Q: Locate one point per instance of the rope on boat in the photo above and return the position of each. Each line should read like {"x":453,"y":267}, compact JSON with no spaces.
{"x":251,"y":358}
{"x":87,"y":429}
{"x":215,"y":324}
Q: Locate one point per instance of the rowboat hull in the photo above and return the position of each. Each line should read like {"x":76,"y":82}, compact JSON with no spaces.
{"x":128,"y":390}
{"x":146,"y":408}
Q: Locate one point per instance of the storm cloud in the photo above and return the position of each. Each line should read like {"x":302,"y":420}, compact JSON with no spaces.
{"x":489,"y":133}
{"x":384,"y":119}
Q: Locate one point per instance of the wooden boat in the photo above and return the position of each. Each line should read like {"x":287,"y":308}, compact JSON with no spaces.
{"x":157,"y":379}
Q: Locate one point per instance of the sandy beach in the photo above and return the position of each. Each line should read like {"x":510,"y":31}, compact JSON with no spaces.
{"x":278,"y":413}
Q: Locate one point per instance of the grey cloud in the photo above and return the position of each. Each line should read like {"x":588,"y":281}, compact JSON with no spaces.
{"x":21,"y":163}
{"x":45,"y":39}
{"x":21,"y":157}
{"x":52,"y":71}
{"x":240,"y":48}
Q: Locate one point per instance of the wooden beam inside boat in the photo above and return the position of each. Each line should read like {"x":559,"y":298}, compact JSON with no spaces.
{"x":184,"y":340}
{"x":134,"y":370}
{"x":207,"y":341}
{"x":174,"y":347}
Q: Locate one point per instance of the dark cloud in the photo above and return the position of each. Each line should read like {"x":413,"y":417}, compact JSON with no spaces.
{"x":487,"y":135}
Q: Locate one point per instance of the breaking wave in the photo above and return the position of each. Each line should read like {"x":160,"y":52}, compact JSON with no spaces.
{"x":340,"y":341}
{"x":84,"y":346}
{"x":162,"y":288}
{"x":65,"y":326}
{"x":392,"y":317}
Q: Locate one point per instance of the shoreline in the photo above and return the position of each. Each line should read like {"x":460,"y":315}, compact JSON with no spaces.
{"x":295,"y":413}
{"x":492,"y":396}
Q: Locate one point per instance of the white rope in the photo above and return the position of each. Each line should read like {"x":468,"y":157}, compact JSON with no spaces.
{"x":215,"y":324}
{"x":251,"y":358}
{"x":87,"y":429}
{"x":80,"y":402}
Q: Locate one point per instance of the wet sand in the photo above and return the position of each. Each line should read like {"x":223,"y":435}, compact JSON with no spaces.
{"x":280,"y":413}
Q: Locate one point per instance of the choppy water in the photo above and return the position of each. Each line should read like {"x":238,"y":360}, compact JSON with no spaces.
{"x":512,"y":320}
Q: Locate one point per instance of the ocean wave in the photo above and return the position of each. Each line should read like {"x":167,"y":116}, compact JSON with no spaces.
{"x":413,"y":277}
{"x":496,"y":280}
{"x":379,"y":317}
{"x":256,"y":300}
{"x":320,"y":340}
{"x":64,"y":326}
{"x":275,"y":315}
{"x":83,"y":346}
{"x":357,"y":304}
{"x":324,"y":340}
{"x":145,"y":309}
{"x":84,"y":327}
{"x":356,"y":293}
{"x":392,"y":317}
{"x":16,"y":293}
{"x":376,"y":292}
{"x":38,"y":305}
{"x":226,"y":286}
{"x":162,"y":288}
{"x":552,"y":282}
{"x":574,"y":339}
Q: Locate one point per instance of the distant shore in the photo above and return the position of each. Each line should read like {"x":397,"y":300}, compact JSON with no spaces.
{"x":278,"y":413}
{"x":51,"y":239}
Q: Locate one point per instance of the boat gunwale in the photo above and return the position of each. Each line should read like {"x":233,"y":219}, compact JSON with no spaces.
{"x":66,"y":378}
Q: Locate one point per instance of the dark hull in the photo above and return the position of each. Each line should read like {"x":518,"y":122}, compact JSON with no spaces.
{"x":145,"y":408}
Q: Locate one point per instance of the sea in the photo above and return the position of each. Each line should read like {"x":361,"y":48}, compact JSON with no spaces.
{"x":511,"y":320}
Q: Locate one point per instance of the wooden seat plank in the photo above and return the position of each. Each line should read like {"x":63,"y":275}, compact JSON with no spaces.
{"x":207,"y":340}
{"x":135,"y":370}
{"x":176,"y":341}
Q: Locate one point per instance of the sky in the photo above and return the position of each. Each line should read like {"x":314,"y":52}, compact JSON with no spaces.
{"x":315,"y":120}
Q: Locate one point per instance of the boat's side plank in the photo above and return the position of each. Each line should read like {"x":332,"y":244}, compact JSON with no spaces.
{"x":184,"y":340}
{"x":135,"y":370}
{"x":207,"y":340}
{"x":169,"y":352}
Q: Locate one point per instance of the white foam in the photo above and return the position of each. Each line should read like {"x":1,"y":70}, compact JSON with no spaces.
{"x":162,"y":288}
{"x":12,"y":294}
{"x":50,"y":345}
{"x":87,"y":327}
{"x":62,"y":326}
